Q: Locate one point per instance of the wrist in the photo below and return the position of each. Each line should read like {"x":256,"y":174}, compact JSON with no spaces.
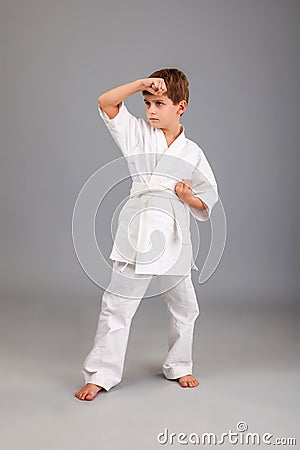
{"x":191,"y":201}
{"x":141,"y":84}
{"x":197,"y":203}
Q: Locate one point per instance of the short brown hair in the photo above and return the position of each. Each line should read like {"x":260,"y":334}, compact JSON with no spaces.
{"x":176,"y":82}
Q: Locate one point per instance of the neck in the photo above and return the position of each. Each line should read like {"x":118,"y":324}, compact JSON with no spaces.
{"x":173,"y":132}
{"x":172,"y":135}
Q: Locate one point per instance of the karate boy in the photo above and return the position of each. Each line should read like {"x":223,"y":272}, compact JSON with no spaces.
{"x":170,"y":173}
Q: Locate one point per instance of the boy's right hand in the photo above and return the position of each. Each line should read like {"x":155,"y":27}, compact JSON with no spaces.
{"x":155,"y":86}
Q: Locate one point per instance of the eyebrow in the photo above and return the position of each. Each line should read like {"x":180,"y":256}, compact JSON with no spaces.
{"x":157,"y":100}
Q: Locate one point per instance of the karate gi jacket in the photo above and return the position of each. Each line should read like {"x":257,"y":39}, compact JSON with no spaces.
{"x":154,"y":224}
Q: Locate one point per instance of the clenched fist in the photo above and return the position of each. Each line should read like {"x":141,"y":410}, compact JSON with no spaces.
{"x":155,"y":86}
{"x":184,"y":190}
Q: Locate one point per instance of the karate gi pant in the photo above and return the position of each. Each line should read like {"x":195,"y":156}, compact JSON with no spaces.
{"x":105,"y":362}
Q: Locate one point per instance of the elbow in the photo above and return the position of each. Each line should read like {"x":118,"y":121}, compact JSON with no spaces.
{"x":106,"y":104}
{"x":100,"y":100}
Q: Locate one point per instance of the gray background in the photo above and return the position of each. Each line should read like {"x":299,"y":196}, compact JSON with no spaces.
{"x":242,"y":61}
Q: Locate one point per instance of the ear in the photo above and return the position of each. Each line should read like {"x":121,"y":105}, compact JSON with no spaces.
{"x":182,"y":106}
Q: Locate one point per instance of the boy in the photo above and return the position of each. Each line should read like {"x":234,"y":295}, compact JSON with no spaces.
{"x":158,"y":155}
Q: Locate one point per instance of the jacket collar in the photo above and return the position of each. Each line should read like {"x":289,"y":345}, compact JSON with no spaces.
{"x":175,"y":146}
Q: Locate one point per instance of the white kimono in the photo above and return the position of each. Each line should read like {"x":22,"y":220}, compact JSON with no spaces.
{"x":154,"y":224}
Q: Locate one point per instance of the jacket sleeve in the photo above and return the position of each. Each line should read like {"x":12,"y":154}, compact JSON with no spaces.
{"x":125,"y":129}
{"x":204,"y":187}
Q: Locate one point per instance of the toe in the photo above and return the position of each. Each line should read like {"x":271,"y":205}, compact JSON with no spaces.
{"x":78,"y":394}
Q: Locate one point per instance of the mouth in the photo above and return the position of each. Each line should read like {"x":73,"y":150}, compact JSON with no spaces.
{"x":152,"y":118}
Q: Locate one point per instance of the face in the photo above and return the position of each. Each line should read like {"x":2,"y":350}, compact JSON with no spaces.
{"x":161,"y":108}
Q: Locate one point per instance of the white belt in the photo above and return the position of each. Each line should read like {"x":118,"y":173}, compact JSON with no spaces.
{"x":154,"y":189}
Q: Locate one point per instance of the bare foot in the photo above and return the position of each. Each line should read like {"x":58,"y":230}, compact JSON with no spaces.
{"x":188,"y":381}
{"x":88,"y":392}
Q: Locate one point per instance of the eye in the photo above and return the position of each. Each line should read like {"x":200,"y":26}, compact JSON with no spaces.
{"x":158,"y":102}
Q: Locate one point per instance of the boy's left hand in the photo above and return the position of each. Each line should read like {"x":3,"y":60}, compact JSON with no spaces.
{"x":184,"y":190}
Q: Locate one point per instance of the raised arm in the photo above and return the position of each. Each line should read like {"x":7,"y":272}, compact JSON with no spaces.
{"x":109,"y":101}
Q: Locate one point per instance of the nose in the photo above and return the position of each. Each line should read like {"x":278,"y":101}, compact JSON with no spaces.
{"x":152,"y":109}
